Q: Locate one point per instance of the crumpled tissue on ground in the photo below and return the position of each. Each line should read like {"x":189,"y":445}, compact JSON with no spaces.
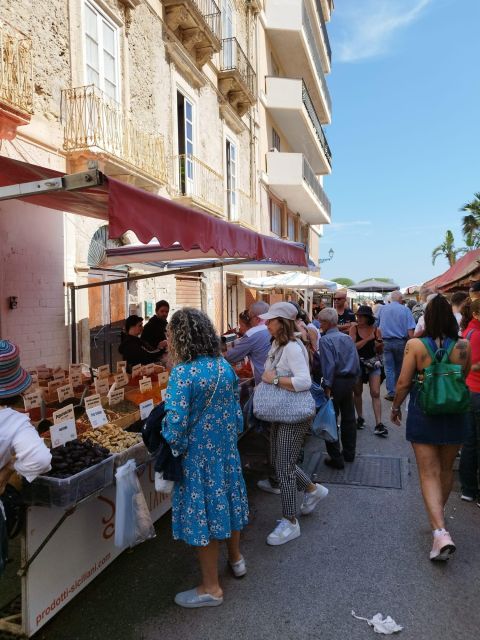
{"x":387,"y":625}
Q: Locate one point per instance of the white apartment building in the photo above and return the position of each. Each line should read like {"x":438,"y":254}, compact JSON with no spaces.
{"x":216,"y":104}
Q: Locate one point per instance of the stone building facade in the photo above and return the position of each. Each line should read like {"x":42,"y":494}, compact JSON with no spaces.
{"x":184,"y":98}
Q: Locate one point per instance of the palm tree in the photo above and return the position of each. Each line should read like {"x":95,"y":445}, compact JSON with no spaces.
{"x":471,"y":222}
{"x":447,"y":249}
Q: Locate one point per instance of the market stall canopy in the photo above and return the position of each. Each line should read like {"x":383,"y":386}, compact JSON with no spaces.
{"x":374,"y":286}
{"x":460,"y":275}
{"x":295,"y":280}
{"x":149,"y":216}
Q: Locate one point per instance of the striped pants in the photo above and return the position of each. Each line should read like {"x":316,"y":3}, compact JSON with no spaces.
{"x":285,"y":444}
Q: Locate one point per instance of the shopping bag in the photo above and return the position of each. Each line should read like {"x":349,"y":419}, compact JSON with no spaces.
{"x":133,"y":522}
{"x":325,"y":422}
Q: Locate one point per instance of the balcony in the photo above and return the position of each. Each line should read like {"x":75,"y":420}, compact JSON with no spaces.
{"x":16,"y":81}
{"x":291,"y":106}
{"x":326,"y":49}
{"x":328,"y":6}
{"x":293,"y":179}
{"x":98,"y":128}
{"x":236,"y":77}
{"x":241,"y":208}
{"x":198,"y":185}
{"x":196,"y":24}
{"x":292,"y":35}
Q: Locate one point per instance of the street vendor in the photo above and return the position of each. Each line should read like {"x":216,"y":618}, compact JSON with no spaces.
{"x":155,"y":331}
{"x":133,"y":348}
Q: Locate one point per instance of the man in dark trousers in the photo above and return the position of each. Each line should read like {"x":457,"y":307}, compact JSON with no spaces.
{"x":155,"y":331}
{"x":340,"y":368}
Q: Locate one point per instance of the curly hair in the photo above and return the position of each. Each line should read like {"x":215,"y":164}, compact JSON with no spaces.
{"x":287,"y":331}
{"x":191,"y":335}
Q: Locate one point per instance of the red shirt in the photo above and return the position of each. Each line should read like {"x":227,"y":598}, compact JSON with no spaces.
{"x":472,"y":334}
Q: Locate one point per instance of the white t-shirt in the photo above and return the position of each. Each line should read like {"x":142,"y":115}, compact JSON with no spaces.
{"x":19,"y":439}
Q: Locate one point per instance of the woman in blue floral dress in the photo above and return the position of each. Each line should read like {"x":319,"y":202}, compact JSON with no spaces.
{"x":202,"y":423}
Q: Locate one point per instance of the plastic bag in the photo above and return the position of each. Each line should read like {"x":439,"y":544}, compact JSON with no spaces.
{"x":133,"y":522}
{"x":325,"y":422}
{"x":162,"y":485}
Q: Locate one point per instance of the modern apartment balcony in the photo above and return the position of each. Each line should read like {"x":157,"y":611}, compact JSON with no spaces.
{"x":292,"y":108}
{"x":241,"y":208}
{"x":328,"y":6}
{"x":297,"y":48}
{"x":325,"y":49}
{"x":16,"y":81}
{"x":293,"y":179}
{"x":98,"y":128}
{"x":198,"y":185}
{"x":236,"y":77}
{"x":196,"y":24}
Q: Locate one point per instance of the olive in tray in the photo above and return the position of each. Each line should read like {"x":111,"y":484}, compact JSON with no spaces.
{"x":76,"y":456}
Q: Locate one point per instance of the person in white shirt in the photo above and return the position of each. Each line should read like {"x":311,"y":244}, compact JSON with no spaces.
{"x":287,"y":367}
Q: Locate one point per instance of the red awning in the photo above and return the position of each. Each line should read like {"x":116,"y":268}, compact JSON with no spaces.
{"x":463,"y":270}
{"x":150,"y":216}
{"x":91,"y":202}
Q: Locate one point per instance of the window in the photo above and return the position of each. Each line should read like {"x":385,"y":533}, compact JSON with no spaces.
{"x":291,"y":228}
{"x":275,"y":218}
{"x":231,"y":153}
{"x":101,"y":52}
{"x":275,"y":140}
{"x":185,"y":143}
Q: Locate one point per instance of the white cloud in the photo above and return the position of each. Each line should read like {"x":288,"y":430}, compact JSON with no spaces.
{"x":367,"y":28}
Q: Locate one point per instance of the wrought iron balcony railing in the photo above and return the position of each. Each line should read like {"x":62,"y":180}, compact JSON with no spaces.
{"x":233,"y":58}
{"x":93,"y":121}
{"x":16,"y":70}
{"x":307,"y":101}
{"x":211,"y":14}
{"x":315,"y":56}
{"x":197,"y":180}
{"x":312,"y":181}
{"x":324,"y":30}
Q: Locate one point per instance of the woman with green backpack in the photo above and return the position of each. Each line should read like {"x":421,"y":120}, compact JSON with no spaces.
{"x":433,"y":372}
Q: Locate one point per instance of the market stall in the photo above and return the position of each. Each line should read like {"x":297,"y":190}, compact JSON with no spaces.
{"x":68,"y":538}
{"x":459,"y":276}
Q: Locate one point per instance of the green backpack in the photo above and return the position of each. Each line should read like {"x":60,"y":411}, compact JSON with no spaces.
{"x":441,"y":388}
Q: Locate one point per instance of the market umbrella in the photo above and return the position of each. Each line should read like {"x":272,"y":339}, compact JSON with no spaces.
{"x":294,"y":280}
{"x":374,"y":286}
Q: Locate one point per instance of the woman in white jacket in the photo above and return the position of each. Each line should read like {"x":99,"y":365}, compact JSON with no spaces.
{"x":287,"y":366}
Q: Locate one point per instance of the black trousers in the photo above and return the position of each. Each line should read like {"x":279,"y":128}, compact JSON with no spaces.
{"x":342,"y":395}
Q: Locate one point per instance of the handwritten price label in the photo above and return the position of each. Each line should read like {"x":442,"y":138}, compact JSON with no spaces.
{"x":97,"y":417}
{"x":137,"y":371}
{"x":101,"y":386}
{"x":103,"y":371}
{"x":116,"y":396}
{"x":63,"y":432}
{"x":33,"y":399}
{"x":93,"y":401}
{"x":163,"y":378}
{"x":63,"y":415}
{"x":121,"y":366}
{"x":121,"y":379}
{"x":76,"y":379}
{"x":146,"y":409}
{"x":145,"y":384}
{"x":64,"y":392}
{"x":148,"y":369}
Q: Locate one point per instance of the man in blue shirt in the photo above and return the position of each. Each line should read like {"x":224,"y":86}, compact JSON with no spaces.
{"x":340,"y":368}
{"x":397,"y":324}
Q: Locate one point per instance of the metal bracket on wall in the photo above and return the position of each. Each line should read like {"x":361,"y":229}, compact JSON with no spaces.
{"x":71,"y":182}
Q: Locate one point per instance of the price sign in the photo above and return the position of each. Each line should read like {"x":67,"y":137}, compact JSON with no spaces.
{"x":146,"y":409}
{"x":163,"y":393}
{"x":121,"y":366}
{"x":74,"y":368}
{"x":97,"y":416}
{"x":58,"y":373}
{"x":163,"y":378}
{"x":121,"y":379}
{"x":53,"y":386}
{"x":64,"y":392}
{"x":148,"y":369}
{"x":103,"y":371}
{"x":137,"y":371}
{"x":75,"y":379}
{"x":34,"y":377}
{"x":145,"y":384}
{"x":93,"y":401}
{"x":63,"y":415}
{"x":63,"y":432}
{"x":101,"y":386}
{"x":116,"y":396}
{"x":32,"y":399}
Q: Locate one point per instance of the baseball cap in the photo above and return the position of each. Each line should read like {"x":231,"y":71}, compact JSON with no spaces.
{"x":280,"y":310}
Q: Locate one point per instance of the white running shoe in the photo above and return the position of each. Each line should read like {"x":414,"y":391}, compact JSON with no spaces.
{"x":239,"y":568}
{"x":311,"y":500}
{"x":266,"y":485}
{"x":284,"y":532}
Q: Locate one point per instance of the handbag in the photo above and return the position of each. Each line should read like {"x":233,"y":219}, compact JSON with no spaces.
{"x":271,"y":403}
{"x":441,"y":387}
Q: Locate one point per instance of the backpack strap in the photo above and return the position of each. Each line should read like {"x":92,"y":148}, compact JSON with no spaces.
{"x":428,"y":346}
{"x":444,"y":351}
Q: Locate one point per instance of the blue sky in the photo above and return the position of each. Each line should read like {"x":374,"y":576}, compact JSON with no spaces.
{"x":405,"y":134}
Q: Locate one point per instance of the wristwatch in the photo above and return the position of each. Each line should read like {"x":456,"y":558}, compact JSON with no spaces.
{"x":276,"y":380}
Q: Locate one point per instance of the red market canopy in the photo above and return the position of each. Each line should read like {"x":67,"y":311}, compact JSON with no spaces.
{"x":150,"y":217}
{"x":460,"y":275}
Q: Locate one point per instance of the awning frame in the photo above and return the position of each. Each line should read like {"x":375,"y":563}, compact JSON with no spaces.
{"x":68,"y":182}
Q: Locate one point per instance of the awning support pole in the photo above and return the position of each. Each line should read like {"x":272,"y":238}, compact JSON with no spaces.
{"x":73,"y":324}
{"x":82,"y":180}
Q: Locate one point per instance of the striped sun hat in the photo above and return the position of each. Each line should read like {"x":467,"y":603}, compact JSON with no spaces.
{"x":13,"y":379}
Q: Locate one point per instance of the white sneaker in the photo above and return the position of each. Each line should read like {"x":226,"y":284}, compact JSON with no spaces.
{"x":311,"y":500}
{"x":239,"y":569}
{"x":284,"y":532}
{"x":265,"y":485}
{"x":466,"y":498}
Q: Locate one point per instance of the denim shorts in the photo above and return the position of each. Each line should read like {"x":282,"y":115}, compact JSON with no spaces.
{"x":441,"y":429}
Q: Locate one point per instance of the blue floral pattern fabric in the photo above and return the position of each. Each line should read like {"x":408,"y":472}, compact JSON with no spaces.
{"x":211,"y":501}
